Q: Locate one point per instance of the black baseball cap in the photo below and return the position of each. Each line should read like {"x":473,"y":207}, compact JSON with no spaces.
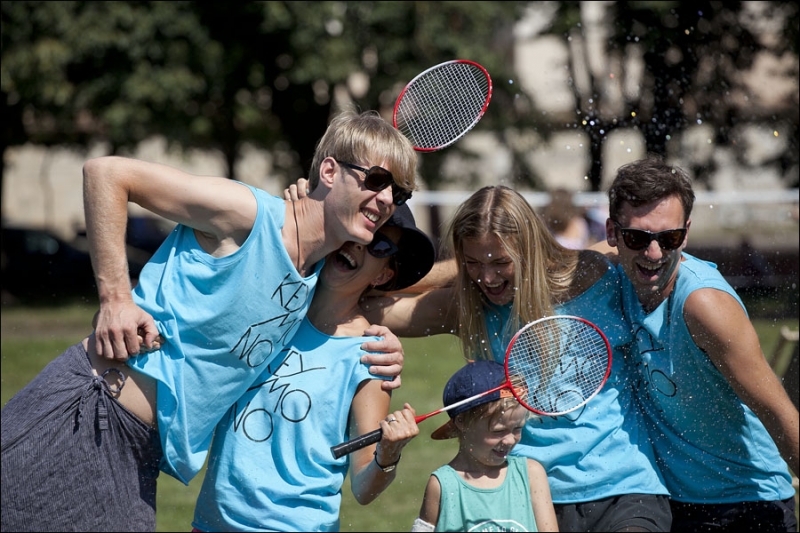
{"x":416,"y":253}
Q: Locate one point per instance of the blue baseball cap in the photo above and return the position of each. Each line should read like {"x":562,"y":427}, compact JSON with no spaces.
{"x":473,"y":378}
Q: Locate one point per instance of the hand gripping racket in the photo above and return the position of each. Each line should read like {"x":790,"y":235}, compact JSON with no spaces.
{"x":443,"y":103}
{"x":554,"y":365}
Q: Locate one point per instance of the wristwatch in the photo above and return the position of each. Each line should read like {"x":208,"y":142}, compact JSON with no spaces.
{"x":387,"y":468}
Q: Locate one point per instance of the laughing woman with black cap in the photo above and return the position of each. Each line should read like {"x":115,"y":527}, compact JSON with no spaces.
{"x":270,"y":465}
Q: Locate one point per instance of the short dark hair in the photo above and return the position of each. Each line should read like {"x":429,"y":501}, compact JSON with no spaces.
{"x":648,"y":180}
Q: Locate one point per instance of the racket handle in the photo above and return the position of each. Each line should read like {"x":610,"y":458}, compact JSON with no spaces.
{"x":357,"y":443}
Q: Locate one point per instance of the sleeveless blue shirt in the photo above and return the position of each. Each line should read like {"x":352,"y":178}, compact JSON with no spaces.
{"x":709,"y":445}
{"x":223,"y":320}
{"x":271,"y":466}
{"x":464,"y":507}
{"x":602,"y":449}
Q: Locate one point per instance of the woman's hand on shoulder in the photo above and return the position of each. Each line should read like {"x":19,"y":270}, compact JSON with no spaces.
{"x":386,"y":357}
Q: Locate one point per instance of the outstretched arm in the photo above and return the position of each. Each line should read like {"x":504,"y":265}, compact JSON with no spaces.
{"x":720,"y":327}
{"x":442,"y":274}
{"x":220,"y":210}
{"x":409,"y":315}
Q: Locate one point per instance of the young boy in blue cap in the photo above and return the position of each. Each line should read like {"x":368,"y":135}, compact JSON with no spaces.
{"x":483,"y":486}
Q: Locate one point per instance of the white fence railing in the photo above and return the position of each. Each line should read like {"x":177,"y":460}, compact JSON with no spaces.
{"x":767,"y":218}
{"x":596,"y":199}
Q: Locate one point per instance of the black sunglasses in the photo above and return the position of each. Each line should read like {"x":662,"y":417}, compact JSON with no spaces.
{"x":382,"y":246}
{"x":639,"y":239}
{"x":377,"y":178}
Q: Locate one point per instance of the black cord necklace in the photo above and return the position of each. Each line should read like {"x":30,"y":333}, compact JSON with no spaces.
{"x":297,"y":230}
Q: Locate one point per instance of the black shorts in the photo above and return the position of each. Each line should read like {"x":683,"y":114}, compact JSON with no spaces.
{"x":73,"y":458}
{"x":758,"y":517}
{"x":646,"y":512}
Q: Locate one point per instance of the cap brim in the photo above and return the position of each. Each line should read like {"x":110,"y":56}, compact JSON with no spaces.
{"x":446,"y":431}
{"x":414,"y":260}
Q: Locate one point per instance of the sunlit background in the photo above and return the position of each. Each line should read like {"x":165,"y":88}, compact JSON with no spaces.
{"x":245,"y":89}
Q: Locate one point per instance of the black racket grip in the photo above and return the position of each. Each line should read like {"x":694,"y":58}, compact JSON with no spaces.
{"x":357,"y":443}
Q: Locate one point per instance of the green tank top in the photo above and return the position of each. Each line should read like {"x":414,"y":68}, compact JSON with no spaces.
{"x":505,"y":508}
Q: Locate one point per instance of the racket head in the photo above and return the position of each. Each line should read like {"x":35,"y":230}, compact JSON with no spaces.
{"x":557,"y":364}
{"x":441,"y":104}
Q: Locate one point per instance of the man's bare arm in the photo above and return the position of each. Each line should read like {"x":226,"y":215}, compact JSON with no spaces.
{"x":222,"y":211}
{"x":420,"y":315}
{"x":720,"y":327}
{"x":442,"y":274}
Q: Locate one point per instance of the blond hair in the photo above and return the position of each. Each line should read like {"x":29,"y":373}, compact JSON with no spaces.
{"x":359,"y":137}
{"x":543,"y":269}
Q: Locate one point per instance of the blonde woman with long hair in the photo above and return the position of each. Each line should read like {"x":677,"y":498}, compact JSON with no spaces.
{"x":507,"y":270}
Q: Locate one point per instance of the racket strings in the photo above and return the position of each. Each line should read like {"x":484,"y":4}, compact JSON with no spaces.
{"x":519,"y":386}
{"x":563,"y":364}
{"x":443,"y":105}
{"x":460,"y":106}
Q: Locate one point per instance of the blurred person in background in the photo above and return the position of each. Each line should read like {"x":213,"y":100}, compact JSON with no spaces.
{"x":567,"y":221}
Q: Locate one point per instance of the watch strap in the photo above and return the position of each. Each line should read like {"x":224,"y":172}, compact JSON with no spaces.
{"x":387,"y":468}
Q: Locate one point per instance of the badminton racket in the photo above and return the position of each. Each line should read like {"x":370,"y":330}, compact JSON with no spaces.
{"x":443,"y":103}
{"x":553,"y":366}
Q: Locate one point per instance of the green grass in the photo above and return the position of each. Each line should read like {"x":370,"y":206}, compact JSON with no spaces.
{"x":31,"y":337}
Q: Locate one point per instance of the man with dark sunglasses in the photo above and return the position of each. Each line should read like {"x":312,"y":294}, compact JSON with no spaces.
{"x":83,"y":443}
{"x":721,"y":423}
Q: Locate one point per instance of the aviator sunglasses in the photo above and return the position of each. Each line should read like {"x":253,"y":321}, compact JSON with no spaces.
{"x":377,"y":178}
{"x":639,"y":239}
{"x":382,"y":246}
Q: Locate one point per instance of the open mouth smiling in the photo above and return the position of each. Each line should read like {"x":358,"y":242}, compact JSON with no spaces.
{"x":371,"y":215}
{"x":649,"y":269}
{"x":346,"y":260}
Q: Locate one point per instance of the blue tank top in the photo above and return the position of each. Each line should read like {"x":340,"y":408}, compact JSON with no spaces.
{"x":709,"y":445}
{"x":270,"y":466}
{"x":224,"y":319}
{"x":602,"y":449}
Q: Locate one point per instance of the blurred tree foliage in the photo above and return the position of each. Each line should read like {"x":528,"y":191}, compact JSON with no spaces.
{"x":219,"y":75}
{"x":695,"y":55}
{"x":216,"y":75}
